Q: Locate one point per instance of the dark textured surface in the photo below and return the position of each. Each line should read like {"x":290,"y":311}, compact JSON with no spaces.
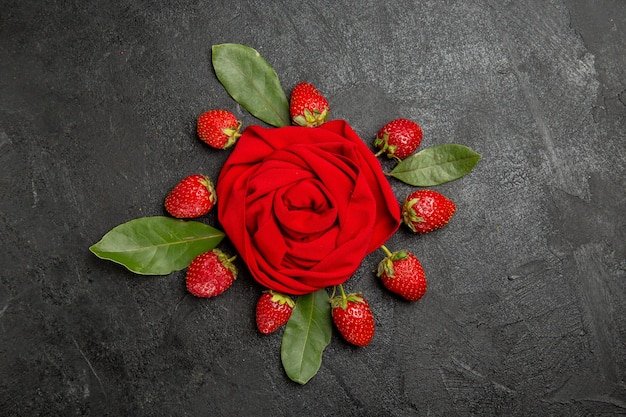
{"x":525,"y":310}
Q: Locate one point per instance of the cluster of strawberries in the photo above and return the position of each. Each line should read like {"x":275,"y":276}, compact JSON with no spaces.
{"x":423,"y":211}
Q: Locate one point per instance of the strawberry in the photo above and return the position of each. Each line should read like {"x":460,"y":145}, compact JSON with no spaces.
{"x":307,"y":106}
{"x":194,"y":196}
{"x":399,"y":138}
{"x":353,"y":318}
{"x":426,"y":210}
{"x":273,"y":310}
{"x":218,"y":128}
{"x":210,"y":274}
{"x":402,"y":273}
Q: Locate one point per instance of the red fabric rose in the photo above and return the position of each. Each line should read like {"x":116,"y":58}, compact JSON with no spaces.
{"x":304,"y":206}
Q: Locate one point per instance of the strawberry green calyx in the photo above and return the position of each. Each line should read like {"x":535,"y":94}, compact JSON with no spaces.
{"x":226,"y":261}
{"x":409,"y":215}
{"x":385,"y":147}
{"x":395,"y":256}
{"x":312,"y":119}
{"x":232,"y":133}
{"x":281,"y":298}
{"x":386,"y":265}
{"x":342,"y":300}
{"x":210,"y":187}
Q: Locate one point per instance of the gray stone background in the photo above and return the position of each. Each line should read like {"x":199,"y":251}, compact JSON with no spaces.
{"x":525,"y":309}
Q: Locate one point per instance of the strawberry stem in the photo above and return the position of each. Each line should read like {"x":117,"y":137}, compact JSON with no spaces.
{"x":343,"y":293}
{"x":333,"y":294}
{"x":387,"y":251}
{"x":339,"y":301}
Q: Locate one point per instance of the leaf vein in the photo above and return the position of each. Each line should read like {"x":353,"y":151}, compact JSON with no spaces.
{"x":409,"y":168}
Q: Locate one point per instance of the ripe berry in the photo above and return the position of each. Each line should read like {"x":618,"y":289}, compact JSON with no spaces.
{"x":402,"y":273}
{"x":398,"y":138}
{"x":194,"y":196}
{"x":210,"y":274}
{"x":307,"y":106}
{"x":218,"y":128}
{"x":273,"y":310}
{"x":353,"y":318}
{"x":426,"y":210}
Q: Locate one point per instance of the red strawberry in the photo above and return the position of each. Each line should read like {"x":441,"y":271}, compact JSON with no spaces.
{"x":426,"y":210}
{"x":307,"y":106}
{"x":353,"y":318}
{"x":219,"y":128}
{"x":194,"y":196}
{"x":398,"y":138}
{"x":210,"y":274}
{"x":402,"y":273}
{"x":272,"y":311}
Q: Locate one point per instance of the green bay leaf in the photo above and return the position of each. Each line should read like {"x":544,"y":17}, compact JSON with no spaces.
{"x":306,"y":335}
{"x":436,"y":165}
{"x":156,"y":245}
{"x":251,"y":82}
